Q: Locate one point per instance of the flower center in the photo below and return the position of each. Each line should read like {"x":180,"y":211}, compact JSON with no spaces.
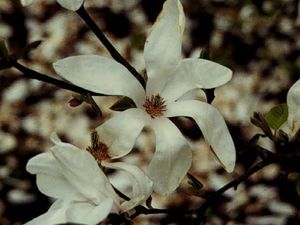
{"x":155,"y":106}
{"x":98,"y":149}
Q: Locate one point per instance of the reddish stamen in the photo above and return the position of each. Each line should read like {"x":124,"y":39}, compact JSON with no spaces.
{"x":155,"y":106}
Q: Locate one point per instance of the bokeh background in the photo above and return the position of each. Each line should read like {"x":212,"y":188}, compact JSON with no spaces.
{"x":258,"y":40}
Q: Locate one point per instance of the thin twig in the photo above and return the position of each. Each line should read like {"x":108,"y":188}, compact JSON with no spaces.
{"x":143,"y":210}
{"x":233,"y":184}
{"x":199,"y":212}
{"x":50,"y":80}
{"x":114,"y":53}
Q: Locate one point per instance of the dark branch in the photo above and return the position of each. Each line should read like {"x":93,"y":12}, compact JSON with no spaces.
{"x":50,"y":80}
{"x":114,"y":53}
{"x":200,"y":212}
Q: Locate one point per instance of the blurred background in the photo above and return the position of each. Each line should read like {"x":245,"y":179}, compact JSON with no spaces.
{"x":258,"y":40}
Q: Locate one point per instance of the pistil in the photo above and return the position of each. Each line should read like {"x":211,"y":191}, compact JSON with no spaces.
{"x":155,"y":106}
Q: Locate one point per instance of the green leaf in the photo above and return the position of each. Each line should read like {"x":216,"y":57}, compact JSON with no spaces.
{"x":196,"y":184}
{"x":277,"y":116}
{"x":123,"y":104}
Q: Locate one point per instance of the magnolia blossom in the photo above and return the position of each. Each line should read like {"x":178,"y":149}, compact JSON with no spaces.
{"x":169,"y":78}
{"x":83,"y":192}
{"x":293,"y":102}
{"x":68,"y":4}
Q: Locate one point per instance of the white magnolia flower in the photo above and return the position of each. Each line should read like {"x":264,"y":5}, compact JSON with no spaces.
{"x":68,"y":4}
{"x":83,"y":192}
{"x":169,"y":77}
{"x":293,"y":103}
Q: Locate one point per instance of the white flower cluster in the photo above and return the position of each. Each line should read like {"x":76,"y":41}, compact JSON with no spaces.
{"x":73,"y":177}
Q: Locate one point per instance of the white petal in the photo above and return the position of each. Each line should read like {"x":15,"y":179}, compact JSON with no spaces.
{"x":196,"y":73}
{"x":50,"y":179}
{"x":141,"y":184}
{"x":207,"y":74}
{"x":62,"y":212}
{"x":120,"y":132}
{"x":82,"y":171}
{"x":172,"y":157}
{"x":212,"y":125}
{"x":85,"y":213}
{"x":163,"y":46}
{"x":55,"y":215}
{"x":71,"y":4}
{"x":293,"y":102}
{"x":102,"y":75}
{"x":26,"y":2}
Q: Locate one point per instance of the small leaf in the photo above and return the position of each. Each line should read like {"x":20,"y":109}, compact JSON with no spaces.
{"x":293,"y":176}
{"x":75,"y":102}
{"x":34,"y":45}
{"x":282,"y":137}
{"x":24,"y":51}
{"x":256,"y":138}
{"x":196,"y":184}
{"x":88,"y":98}
{"x":277,"y":116}
{"x":123,"y":104}
{"x":149,"y":202}
{"x":4,"y":55}
{"x":205,"y":53}
{"x":298,"y":187}
{"x":258,"y":120}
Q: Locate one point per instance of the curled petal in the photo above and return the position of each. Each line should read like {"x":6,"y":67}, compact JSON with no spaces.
{"x":101,"y":75}
{"x":141,"y":185}
{"x":71,"y":4}
{"x":172,"y":157}
{"x":162,"y":50}
{"x":120,"y":132}
{"x":82,"y":171}
{"x":293,"y":102}
{"x":212,"y":125}
{"x":50,"y":179}
{"x":196,"y":73}
{"x":69,"y":173}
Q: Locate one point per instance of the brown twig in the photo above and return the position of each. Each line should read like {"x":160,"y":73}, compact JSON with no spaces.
{"x":50,"y":80}
{"x":114,"y":53}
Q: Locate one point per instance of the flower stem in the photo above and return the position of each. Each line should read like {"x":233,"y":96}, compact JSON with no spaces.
{"x":200,"y":212}
{"x":114,"y":53}
{"x":32,"y":74}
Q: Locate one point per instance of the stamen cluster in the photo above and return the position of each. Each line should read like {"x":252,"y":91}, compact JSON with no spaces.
{"x":155,"y":106}
{"x":98,"y":149}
